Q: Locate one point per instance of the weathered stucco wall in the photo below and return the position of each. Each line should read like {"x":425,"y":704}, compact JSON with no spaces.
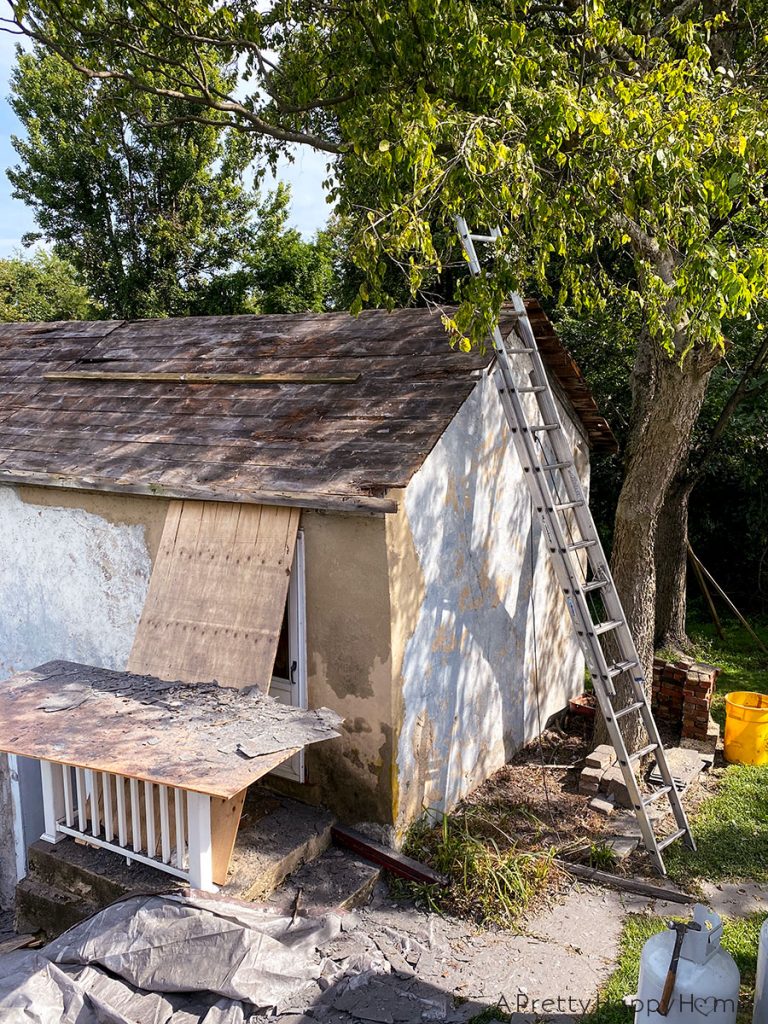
{"x":467,"y":601}
{"x":74,"y":570}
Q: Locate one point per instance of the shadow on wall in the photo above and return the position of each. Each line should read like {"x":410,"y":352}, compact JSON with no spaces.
{"x":468,"y":679}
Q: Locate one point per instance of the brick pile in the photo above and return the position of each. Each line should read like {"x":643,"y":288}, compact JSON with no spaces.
{"x":682,"y":695}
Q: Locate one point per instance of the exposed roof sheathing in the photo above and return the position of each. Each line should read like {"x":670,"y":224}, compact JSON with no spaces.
{"x":338,"y":445}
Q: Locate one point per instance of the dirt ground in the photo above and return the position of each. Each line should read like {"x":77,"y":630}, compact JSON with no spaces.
{"x":535,"y":798}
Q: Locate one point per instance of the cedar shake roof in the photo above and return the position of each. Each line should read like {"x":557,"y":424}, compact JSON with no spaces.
{"x":395,"y":386}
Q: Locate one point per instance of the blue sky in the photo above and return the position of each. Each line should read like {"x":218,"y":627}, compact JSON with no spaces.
{"x":305,"y":175}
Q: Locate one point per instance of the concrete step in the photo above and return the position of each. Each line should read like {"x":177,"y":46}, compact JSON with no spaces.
{"x":277,"y":836}
{"x":339,"y":880}
{"x":47,"y":909}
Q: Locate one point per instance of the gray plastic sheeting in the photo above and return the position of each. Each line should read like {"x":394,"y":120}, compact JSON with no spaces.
{"x":168,"y":960}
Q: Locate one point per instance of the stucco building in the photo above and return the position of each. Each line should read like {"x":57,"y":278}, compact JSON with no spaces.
{"x":418,"y":570}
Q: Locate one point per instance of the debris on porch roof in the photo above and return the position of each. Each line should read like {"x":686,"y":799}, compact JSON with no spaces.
{"x":198,"y":736}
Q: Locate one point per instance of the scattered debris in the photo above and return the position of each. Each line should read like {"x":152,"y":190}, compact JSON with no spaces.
{"x":603,"y":805}
{"x":684,"y":765}
{"x":215,"y":739}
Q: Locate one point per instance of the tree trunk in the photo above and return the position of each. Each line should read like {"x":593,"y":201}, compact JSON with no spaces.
{"x":666,"y":401}
{"x":672,"y":565}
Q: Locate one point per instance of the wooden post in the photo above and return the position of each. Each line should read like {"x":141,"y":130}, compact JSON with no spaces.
{"x":705,"y":591}
{"x":53,"y":801}
{"x":199,"y":842}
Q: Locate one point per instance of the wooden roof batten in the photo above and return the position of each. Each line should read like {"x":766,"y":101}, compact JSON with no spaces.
{"x":320,"y":411}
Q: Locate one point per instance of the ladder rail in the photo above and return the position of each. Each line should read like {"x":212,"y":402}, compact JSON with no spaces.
{"x":548,"y":464}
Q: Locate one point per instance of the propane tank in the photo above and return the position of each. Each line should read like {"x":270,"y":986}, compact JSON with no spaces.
{"x":706,"y":986}
{"x":760,"y":1015}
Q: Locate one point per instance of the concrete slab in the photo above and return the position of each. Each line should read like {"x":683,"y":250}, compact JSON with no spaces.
{"x":277,"y":836}
{"x":338,"y":880}
{"x":735,"y":899}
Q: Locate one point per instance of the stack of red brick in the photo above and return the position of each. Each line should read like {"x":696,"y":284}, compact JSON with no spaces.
{"x":682,"y":694}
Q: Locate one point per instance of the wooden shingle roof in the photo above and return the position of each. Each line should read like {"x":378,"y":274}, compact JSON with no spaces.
{"x":341,"y":445}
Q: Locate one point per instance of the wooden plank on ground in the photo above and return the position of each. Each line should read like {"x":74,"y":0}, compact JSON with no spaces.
{"x":390,"y":860}
{"x":217,"y":594}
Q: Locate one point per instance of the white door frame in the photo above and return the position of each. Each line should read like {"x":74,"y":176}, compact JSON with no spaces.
{"x":295,"y":689}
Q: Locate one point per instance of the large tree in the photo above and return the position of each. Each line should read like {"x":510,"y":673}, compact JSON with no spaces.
{"x":634,"y":129}
{"x":156,"y":218}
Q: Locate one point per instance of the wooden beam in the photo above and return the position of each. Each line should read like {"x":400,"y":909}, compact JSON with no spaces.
{"x":325,"y":501}
{"x":202,"y":378}
{"x":390,"y":860}
{"x":658,"y":892}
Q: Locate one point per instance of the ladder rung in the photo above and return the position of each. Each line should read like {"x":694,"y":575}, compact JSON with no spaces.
{"x":563,"y":505}
{"x":538,"y":428}
{"x":519,"y":351}
{"x":484,"y":238}
{"x":594,"y":585}
{"x":580,"y":544}
{"x":657,"y":795}
{"x":664,"y":843}
{"x":639,"y":754}
{"x":619,"y":667}
{"x":534,"y":390}
{"x":555,"y":465}
{"x":629,"y":709}
{"x":606,"y":627}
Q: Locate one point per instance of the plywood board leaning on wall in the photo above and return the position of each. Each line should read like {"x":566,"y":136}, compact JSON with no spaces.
{"x":217,"y":594}
{"x":214,"y":610}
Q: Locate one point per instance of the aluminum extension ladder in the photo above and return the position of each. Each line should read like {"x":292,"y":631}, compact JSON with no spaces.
{"x":579,"y":560}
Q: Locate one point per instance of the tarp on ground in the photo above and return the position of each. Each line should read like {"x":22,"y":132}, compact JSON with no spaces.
{"x":168,"y":960}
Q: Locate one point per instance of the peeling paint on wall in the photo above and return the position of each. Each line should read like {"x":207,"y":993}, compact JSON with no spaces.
{"x":72,"y":585}
{"x":489,"y":603}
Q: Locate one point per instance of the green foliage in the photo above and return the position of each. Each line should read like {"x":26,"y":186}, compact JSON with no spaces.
{"x":491,"y":881}
{"x":43,"y":287}
{"x":740,"y":939}
{"x":149,"y":212}
{"x":289,"y":274}
{"x":581,"y":129}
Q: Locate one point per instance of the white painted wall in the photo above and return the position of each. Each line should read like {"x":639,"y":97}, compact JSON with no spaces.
{"x":468,"y":692}
{"x":72,"y":585}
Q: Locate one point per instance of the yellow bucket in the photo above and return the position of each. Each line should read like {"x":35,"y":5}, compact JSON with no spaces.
{"x":746,"y":727}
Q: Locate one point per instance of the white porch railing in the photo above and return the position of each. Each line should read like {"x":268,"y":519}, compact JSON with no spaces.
{"x":162,"y":826}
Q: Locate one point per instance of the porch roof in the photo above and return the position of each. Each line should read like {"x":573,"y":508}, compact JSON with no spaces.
{"x":195,"y":736}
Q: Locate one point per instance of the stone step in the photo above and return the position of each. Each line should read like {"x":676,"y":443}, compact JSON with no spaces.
{"x":45,"y":908}
{"x":339,"y":880}
{"x":277,"y":836}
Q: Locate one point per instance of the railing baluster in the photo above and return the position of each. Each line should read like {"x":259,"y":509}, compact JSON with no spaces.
{"x":178,"y":803}
{"x":106,"y":780}
{"x":69,"y":810}
{"x":122,"y":824}
{"x":80,"y":784}
{"x":92,"y":786}
{"x":165,"y":826}
{"x":149,"y":805}
{"x":135,"y":815}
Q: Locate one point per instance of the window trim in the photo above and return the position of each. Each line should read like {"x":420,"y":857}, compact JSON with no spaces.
{"x":297,"y":652}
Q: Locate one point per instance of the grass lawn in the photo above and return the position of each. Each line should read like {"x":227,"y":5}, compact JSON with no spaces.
{"x":731,"y":827}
